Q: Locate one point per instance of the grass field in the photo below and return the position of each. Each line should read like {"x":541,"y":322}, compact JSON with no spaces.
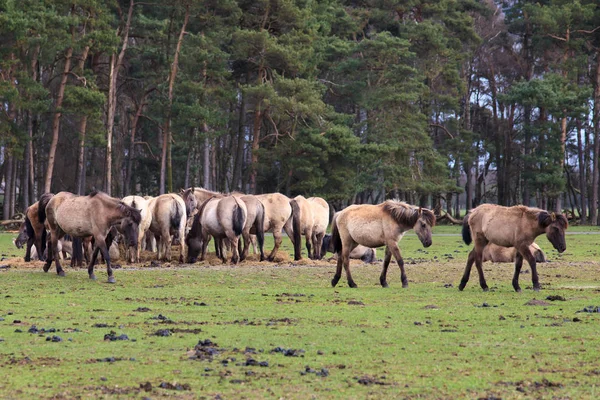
{"x":262,"y":330}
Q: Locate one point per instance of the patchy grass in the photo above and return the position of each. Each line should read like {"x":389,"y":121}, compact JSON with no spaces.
{"x":280,"y":330}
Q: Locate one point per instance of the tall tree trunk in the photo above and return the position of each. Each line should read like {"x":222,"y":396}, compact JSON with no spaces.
{"x":206,"y":167}
{"x":166,"y":163}
{"x":596,"y":116}
{"x":8,"y":174}
{"x":56,"y":120}
{"x":131,"y":153}
{"x":582,"y":179}
{"x":255,"y":146}
{"x":115,"y":65}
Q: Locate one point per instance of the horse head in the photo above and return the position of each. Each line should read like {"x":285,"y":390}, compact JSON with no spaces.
{"x":22,"y":238}
{"x":191,"y":202}
{"x":130,"y":229}
{"x":193,"y":239}
{"x":555,"y":226}
{"x":425,"y":221}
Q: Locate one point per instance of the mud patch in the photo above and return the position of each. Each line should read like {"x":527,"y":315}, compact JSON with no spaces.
{"x":368,"y":380}
{"x":112,"y":336}
{"x":555,"y":297}
{"x":590,"y":309}
{"x":205,"y":350}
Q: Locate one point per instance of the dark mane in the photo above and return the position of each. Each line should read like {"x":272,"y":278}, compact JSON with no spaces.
{"x":93,"y":193}
{"x":130,"y":212}
{"x":545,"y":218}
{"x":401,"y":212}
{"x":428,"y":216}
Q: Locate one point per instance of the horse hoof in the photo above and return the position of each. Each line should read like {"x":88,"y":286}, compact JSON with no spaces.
{"x":518,"y":290}
{"x":93,"y":277}
{"x":46,"y":268}
{"x":486,"y":289}
{"x":537,"y":288}
{"x":270,"y":259}
{"x":61,"y":273}
{"x":461,"y":287}
{"x":334,"y":282}
{"x":352,"y":285}
{"x":404,"y":285}
{"x":384,"y":285}
{"x":111,"y":279}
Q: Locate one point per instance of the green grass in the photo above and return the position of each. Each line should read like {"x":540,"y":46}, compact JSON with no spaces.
{"x":427,"y":341}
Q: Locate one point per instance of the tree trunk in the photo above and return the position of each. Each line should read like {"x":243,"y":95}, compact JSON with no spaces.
{"x":131,"y":153}
{"x":81,"y":128}
{"x":206,"y":167}
{"x":115,"y":64}
{"x":8,"y":163}
{"x":582,"y":179}
{"x":56,"y":120}
{"x":596,"y":116}
{"x":239,"y":154}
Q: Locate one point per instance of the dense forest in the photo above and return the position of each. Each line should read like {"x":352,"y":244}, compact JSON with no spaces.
{"x":430,"y":101}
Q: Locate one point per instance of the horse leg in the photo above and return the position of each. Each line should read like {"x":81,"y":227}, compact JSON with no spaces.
{"x":479,"y":266}
{"x":103,"y":245}
{"x":28,"y":249}
{"x":245,"y":251}
{"x":386,"y":263}
{"x":234,"y":240}
{"x":465,"y":278}
{"x":50,"y":255}
{"x":338,"y":271}
{"x":518,"y":265}
{"x":93,"y":259}
{"x":393,"y":246}
{"x":308,"y":237}
{"x":277,"y":239}
{"x":533,"y":265}
{"x":55,"y":252}
{"x":346,"y":260}
{"x":317,"y":244}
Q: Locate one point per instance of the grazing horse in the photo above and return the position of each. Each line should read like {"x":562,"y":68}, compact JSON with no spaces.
{"x":222,"y":218}
{"x":517,"y":227}
{"x":34,"y":227}
{"x":375,"y":226}
{"x":168,"y":218}
{"x":65,"y":245}
{"x":81,"y":216}
{"x":499,"y":254}
{"x":140,"y":204}
{"x":360,"y":252}
{"x":310,"y":218}
{"x":278,"y":218}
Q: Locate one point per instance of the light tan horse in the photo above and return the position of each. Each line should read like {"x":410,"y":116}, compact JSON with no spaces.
{"x":499,"y":254}
{"x":255,"y":224}
{"x":378,"y":225}
{"x":141,"y":204}
{"x":81,"y":216}
{"x":278,"y":213}
{"x":168,"y":218}
{"x":517,"y":227}
{"x":310,"y":219}
{"x":221,"y":218}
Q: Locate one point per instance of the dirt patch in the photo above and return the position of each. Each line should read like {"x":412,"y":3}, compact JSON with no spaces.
{"x":368,"y":380}
{"x":556,"y":297}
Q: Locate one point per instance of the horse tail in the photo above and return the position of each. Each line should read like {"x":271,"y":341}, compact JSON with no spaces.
{"x":260,"y":225}
{"x":296,"y":226}
{"x":176,"y":214}
{"x":466,"y":230}
{"x":77,"y":256}
{"x":326,"y":244}
{"x":239,"y":218}
{"x":336,"y":239}
{"x":44,"y":199}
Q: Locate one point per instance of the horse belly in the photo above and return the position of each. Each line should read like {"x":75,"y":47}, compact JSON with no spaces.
{"x":367,"y":233}
{"x":75,"y":223}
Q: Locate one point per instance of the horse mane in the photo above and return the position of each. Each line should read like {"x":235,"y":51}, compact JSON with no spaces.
{"x":131,"y":212}
{"x":545,"y":218}
{"x":406,"y":214}
{"x":94,"y":192}
{"x":210,"y":192}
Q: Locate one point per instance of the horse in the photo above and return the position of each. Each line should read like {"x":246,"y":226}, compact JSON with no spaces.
{"x":168,"y":218}
{"x":360,"y":252}
{"x":498,"y":254}
{"x":278,"y":218}
{"x":222,"y":218}
{"x":375,"y":226}
{"x":141,"y":204}
{"x":81,"y":216}
{"x":35,"y":229}
{"x":515,"y":226}
{"x":65,"y":245}
{"x":310,"y":218}
{"x":255,"y":224}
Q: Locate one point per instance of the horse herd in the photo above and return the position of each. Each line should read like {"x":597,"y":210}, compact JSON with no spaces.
{"x":196,"y":215}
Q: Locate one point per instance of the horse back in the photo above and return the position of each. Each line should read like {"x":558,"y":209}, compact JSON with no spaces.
{"x":277,"y":210}
{"x":504,"y":226}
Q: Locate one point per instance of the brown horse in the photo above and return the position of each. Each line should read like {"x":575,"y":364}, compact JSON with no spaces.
{"x":221,"y":218}
{"x":168,"y":218}
{"x":375,"y":226}
{"x":34,"y":227}
{"x":310,"y":218}
{"x":517,"y":227}
{"x":81,"y":216}
{"x":499,"y":254}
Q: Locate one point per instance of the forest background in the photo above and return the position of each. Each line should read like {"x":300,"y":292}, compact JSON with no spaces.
{"x":355,"y":101}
